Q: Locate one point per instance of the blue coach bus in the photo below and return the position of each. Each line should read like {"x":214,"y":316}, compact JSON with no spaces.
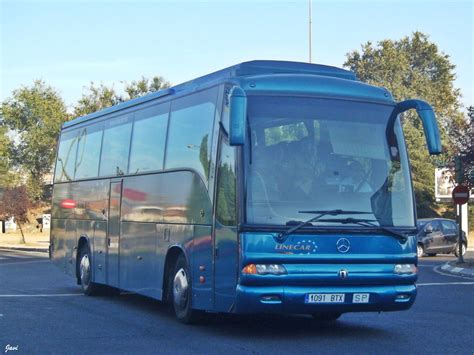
{"x":266,"y":187}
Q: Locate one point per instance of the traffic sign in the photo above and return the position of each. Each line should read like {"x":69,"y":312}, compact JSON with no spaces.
{"x":460,"y":194}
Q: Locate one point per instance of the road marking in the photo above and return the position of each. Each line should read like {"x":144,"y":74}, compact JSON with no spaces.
{"x":445,"y":283}
{"x":46,"y":295}
{"x":24,"y":262}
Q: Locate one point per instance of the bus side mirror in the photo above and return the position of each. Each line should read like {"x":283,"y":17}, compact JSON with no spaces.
{"x":238,"y":116}
{"x":430,"y":126}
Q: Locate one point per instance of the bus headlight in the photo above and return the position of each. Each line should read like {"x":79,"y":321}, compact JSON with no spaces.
{"x":264,"y":269}
{"x":404,"y":269}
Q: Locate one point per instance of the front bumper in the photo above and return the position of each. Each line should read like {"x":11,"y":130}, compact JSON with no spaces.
{"x":291,"y":299}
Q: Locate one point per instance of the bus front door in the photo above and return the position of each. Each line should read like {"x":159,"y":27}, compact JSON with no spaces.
{"x":113,"y":233}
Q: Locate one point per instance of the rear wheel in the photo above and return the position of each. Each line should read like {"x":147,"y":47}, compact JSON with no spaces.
{"x":182,"y":293}
{"x":463,"y":251}
{"x":326,"y":317}
{"x":85,"y":272}
{"x":420,"y":250}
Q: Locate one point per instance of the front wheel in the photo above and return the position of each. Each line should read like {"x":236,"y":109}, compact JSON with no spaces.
{"x":85,"y":272}
{"x":463,"y":250}
{"x":182,"y":293}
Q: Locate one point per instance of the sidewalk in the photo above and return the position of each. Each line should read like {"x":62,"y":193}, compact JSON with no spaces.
{"x":464,"y":269}
{"x":38,"y":242}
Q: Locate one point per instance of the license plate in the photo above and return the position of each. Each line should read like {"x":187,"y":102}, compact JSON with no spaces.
{"x":325,"y":298}
{"x":360,"y":298}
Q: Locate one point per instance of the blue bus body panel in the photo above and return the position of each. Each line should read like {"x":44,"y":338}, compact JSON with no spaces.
{"x":317,"y":85}
{"x":313,"y":264}
{"x":382,"y":299}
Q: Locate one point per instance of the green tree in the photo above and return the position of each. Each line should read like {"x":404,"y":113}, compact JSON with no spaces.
{"x":4,"y":156}
{"x":102,"y":96}
{"x":96,"y":98}
{"x":34,"y":115}
{"x":15,"y":203}
{"x":413,"y":67}
{"x":465,"y":144}
{"x":145,"y":86}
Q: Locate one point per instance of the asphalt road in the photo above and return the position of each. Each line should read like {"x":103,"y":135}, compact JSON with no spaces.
{"x":42,"y":311}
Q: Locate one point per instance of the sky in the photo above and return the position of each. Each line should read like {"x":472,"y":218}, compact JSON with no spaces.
{"x":69,"y":44}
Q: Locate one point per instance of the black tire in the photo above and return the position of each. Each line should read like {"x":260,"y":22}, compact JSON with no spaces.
{"x":464,"y":248}
{"x":326,"y":317}
{"x":420,"y":250}
{"x":85,"y":272}
{"x":181,"y":293}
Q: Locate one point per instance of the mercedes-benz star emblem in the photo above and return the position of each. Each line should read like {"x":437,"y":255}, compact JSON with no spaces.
{"x":343,"y":245}
{"x":343,"y":273}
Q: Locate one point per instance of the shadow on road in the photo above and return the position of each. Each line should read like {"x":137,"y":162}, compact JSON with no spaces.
{"x":254,"y":326}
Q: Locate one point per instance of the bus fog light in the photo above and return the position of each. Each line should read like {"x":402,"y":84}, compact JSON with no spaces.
{"x":270,"y":299}
{"x":404,"y":269}
{"x":403,"y":297}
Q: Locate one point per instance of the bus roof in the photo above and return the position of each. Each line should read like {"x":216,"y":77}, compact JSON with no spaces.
{"x":256,"y":67}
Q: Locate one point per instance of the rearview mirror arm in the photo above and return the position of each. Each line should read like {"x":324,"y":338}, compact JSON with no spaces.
{"x":428,"y":119}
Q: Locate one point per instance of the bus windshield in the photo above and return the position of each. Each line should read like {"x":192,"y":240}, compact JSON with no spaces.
{"x":309,"y":154}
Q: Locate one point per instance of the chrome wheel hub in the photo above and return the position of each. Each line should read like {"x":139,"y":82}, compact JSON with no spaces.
{"x":85,"y":270}
{"x":419,"y":251}
{"x":180,"y":288}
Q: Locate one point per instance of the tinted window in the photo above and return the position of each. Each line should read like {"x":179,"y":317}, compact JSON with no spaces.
{"x":172,"y":197}
{"x":66,"y":157}
{"x":115,"y":146}
{"x":449,"y":227}
{"x":88,"y":152}
{"x":148,"y":139}
{"x":226,"y":206}
{"x":436,"y":226}
{"x":191,"y":123}
{"x":321,"y":154}
{"x":421,"y":224}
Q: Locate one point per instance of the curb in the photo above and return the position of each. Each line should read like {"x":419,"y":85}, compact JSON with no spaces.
{"x":456,"y":270}
{"x":32,"y":249}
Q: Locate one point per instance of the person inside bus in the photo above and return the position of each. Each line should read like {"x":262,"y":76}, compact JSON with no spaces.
{"x":355,"y":180}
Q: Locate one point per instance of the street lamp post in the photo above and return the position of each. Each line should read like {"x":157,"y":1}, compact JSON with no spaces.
{"x":310,"y":30}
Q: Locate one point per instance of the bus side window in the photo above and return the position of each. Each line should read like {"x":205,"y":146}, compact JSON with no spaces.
{"x":226,"y":204}
{"x":66,"y":157}
{"x":190,"y":132}
{"x":115,"y":146}
{"x":88,"y":152}
{"x":148,"y":139}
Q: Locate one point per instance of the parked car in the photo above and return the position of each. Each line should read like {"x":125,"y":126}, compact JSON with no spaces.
{"x":439,"y":235}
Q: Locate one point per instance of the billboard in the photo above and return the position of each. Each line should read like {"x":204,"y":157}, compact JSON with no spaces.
{"x":444,"y":183}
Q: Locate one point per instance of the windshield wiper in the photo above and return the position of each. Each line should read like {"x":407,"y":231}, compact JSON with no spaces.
{"x":320,"y":213}
{"x":367,"y":223}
